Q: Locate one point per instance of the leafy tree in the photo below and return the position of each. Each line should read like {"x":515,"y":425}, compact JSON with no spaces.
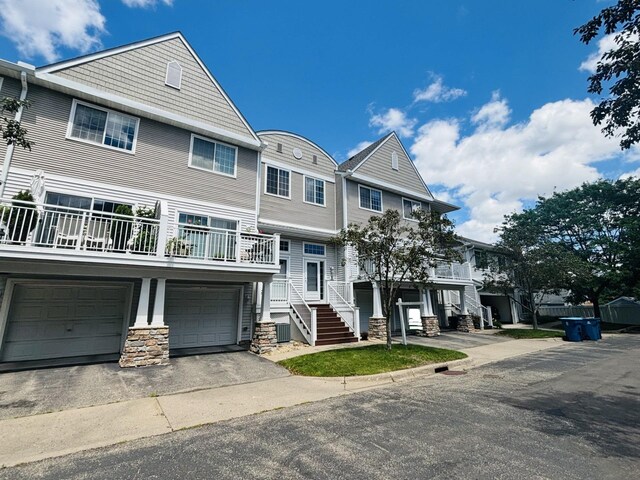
{"x":12,"y":132}
{"x":393,"y":252}
{"x":619,"y":111}
{"x":589,"y":237}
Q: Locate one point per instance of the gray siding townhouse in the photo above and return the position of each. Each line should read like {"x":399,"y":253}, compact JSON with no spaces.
{"x":142,"y":235}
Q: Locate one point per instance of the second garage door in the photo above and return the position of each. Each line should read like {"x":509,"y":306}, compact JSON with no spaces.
{"x":201,"y":316}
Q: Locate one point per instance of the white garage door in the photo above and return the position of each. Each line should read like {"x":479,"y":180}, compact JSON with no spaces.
{"x":57,"y":320}
{"x":201,"y":316}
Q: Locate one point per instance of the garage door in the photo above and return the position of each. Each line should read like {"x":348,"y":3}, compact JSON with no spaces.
{"x":57,"y":320}
{"x":201,"y":316}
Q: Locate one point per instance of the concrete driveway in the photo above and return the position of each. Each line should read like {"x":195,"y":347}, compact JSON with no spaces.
{"x":53,"y":389}
{"x":458,"y":340}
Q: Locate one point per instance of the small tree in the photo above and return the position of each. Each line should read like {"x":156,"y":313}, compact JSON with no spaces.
{"x":393,"y":252}
{"x":12,"y":132}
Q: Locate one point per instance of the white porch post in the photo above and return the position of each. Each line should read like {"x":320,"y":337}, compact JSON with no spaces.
{"x":157,"y":320}
{"x":377,"y":300}
{"x":142,"y":315}
{"x":426,"y":307}
{"x":163,"y":227}
{"x":463,"y":303}
{"x":259,"y":298}
{"x":265,"y":313}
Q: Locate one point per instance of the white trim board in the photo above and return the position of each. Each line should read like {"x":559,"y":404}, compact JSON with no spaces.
{"x":276,"y":223}
{"x":144,"y":43}
{"x":374,"y":182}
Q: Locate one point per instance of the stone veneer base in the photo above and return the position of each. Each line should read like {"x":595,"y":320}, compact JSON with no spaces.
{"x":430,"y":326}
{"x":265,"y":338}
{"x":378,"y":328}
{"x":145,"y":346}
{"x":465,"y":324}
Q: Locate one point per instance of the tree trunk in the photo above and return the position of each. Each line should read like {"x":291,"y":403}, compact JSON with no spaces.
{"x":389,"y":332}
{"x":596,"y":306}
{"x":535,"y":318}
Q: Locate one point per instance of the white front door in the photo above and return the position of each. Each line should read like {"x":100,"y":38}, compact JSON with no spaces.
{"x":312,"y":280}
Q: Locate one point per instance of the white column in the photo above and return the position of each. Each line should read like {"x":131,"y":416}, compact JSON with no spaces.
{"x":142,"y":316}
{"x":163,"y":229}
{"x":377,"y":300}
{"x":157,"y":320}
{"x":427,"y":308}
{"x":265,"y":311}
{"x":463,"y":303}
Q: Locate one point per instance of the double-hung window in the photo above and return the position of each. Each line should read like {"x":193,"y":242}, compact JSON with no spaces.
{"x":370,"y":198}
{"x":314,"y":190}
{"x":277,"y":182}
{"x":213,"y":156}
{"x":409,"y":207}
{"x":103,"y":127}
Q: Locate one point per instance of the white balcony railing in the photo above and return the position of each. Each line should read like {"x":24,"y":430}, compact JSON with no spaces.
{"x":443,"y":271}
{"x":42,"y":227}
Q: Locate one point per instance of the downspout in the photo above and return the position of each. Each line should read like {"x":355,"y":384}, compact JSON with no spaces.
{"x":10,"y":148}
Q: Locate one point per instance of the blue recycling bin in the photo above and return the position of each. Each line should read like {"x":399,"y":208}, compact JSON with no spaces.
{"x":573,"y":328}
{"x":591,"y":328}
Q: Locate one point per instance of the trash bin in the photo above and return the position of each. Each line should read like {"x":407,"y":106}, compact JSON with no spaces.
{"x":591,"y":328}
{"x":573,"y":329}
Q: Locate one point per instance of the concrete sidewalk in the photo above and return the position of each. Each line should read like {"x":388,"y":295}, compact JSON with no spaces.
{"x":36,"y":437}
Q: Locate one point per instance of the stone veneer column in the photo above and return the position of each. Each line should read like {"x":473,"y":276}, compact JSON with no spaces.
{"x":465,"y":324}
{"x":264,"y":338}
{"x":378,"y":328}
{"x":430,"y":326}
{"x":146,"y":346}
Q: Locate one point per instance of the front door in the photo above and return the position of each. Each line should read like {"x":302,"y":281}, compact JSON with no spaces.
{"x":312,"y":280}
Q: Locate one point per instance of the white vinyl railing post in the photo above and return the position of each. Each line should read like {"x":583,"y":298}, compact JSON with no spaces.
{"x":163,"y":228}
{"x":356,"y":323}
{"x":314,"y":327}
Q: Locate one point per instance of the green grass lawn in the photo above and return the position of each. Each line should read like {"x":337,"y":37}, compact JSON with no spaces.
{"x":526,"y":333}
{"x":367,"y":360}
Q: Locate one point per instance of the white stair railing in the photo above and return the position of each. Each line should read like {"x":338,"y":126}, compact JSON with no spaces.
{"x":349,"y":314}
{"x":305,"y":316}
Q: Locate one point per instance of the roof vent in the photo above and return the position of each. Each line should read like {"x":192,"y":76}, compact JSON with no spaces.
{"x":174,"y":75}
{"x":315,"y":159}
{"x":297,"y":153}
{"x":394,"y":160}
{"x":279,"y":148}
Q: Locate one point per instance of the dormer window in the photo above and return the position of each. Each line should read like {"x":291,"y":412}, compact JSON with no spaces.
{"x":174,"y":75}
{"x":394,"y":160}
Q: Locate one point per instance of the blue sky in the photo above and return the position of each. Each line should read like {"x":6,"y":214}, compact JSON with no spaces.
{"x":489,"y":97}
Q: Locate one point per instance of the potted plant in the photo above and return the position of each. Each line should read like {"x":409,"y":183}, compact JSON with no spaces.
{"x":145,"y":240}
{"x":21,"y":218}
{"x":178,"y":247}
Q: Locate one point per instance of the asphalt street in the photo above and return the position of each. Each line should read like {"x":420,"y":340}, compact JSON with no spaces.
{"x":566,"y":413}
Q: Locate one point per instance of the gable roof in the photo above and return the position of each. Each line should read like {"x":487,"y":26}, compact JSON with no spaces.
{"x":299,"y":137}
{"x":355,"y":161}
{"x":66,"y":64}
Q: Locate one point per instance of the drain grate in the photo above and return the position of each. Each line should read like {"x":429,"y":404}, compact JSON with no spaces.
{"x":454,"y":372}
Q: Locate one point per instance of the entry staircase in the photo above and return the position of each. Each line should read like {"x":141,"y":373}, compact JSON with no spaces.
{"x":331,"y":329}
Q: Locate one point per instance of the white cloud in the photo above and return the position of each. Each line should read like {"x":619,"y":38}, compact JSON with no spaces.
{"x":635,"y":173}
{"x":145,"y":3}
{"x":493,"y":171}
{"x":393,"y":119}
{"x":437,"y":92}
{"x":358,"y":148}
{"x":41,"y":27}
{"x":605,"y":44}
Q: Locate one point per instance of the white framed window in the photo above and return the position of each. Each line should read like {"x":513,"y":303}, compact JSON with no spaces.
{"x":277,"y":182}
{"x":313,"y":190}
{"x":409,"y":207}
{"x":394,"y":160}
{"x":173,"y":77}
{"x":316,"y":249}
{"x":213,"y":156}
{"x":370,"y":198}
{"x":284,"y":245}
{"x":101,"y":126}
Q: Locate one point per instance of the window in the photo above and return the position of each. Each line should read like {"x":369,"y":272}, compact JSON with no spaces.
{"x":173,"y":77}
{"x":394,"y":160}
{"x":409,"y":207}
{"x":482,"y":259}
{"x":370,"y":199}
{"x":208,"y":237}
{"x":284,"y":245}
{"x":102,"y":127}
{"x":277,"y":182}
{"x":212,"y":156}
{"x":314,"y":191}
{"x":313,"y":249}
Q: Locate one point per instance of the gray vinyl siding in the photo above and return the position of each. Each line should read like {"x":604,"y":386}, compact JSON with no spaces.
{"x":247,"y":312}
{"x":11,"y":87}
{"x":160,"y":163}
{"x":378,"y":166}
{"x":355,"y":214}
{"x":140,"y":75}
{"x":325,"y":165}
{"x":295,"y":210}
{"x":296,"y":261}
